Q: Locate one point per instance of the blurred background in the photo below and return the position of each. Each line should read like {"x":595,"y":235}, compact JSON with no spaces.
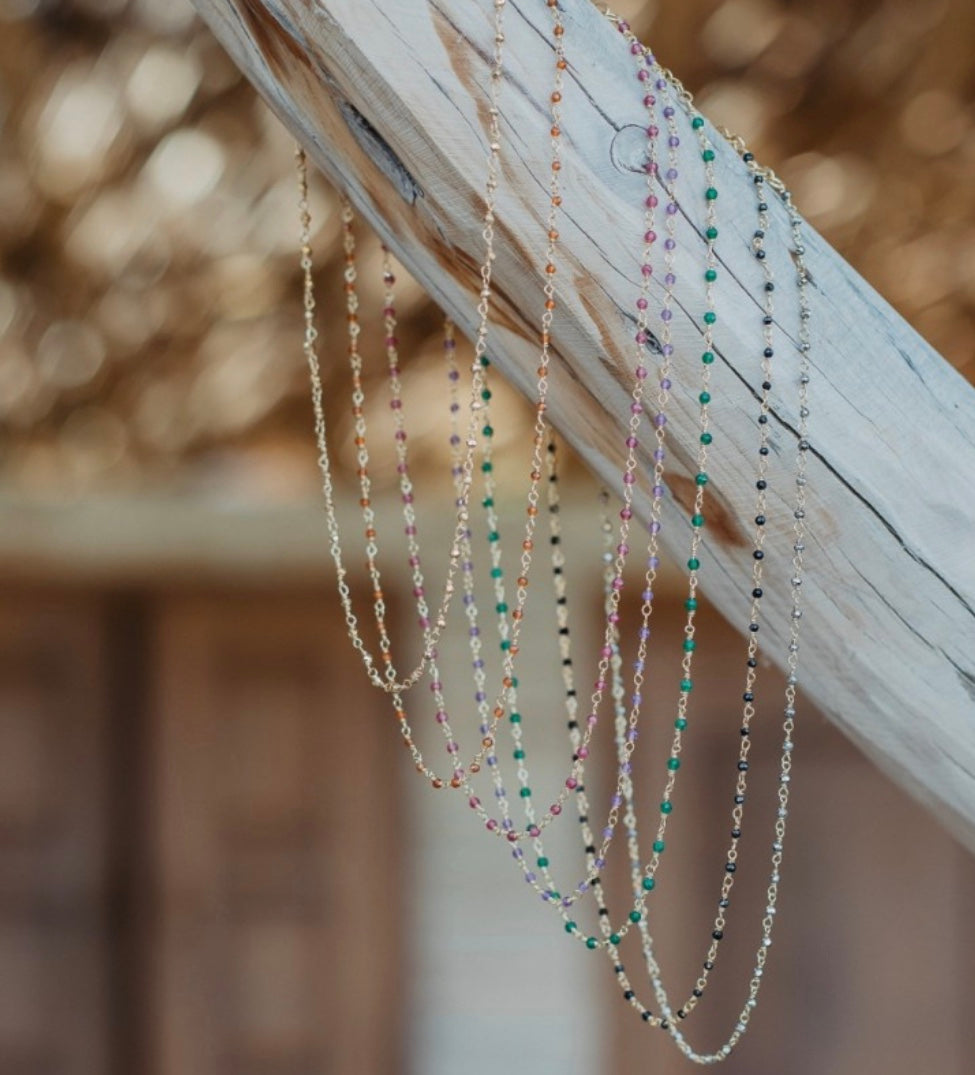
{"x":213,"y":857}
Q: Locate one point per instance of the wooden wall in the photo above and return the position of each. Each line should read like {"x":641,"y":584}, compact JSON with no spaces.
{"x":205,"y":832}
{"x":196,"y":853}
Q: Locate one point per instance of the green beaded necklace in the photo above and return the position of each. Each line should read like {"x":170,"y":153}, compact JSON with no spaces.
{"x":478,"y":443}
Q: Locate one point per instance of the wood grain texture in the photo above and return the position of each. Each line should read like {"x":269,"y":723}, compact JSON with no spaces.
{"x":391,"y":99}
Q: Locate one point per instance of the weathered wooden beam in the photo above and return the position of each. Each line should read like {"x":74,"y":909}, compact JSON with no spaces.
{"x":391,"y":102}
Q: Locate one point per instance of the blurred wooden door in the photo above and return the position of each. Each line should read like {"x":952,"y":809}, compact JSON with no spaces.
{"x":278,"y":831}
{"x":199,"y":840}
{"x":55,"y":949}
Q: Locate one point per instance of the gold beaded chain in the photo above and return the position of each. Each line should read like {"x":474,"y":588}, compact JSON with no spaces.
{"x":381,"y":670}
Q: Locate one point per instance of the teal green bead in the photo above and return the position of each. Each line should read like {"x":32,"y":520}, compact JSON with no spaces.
{"x":704,"y":398}
{"x":486,"y":468}
{"x":689,"y":645}
{"x":493,"y":535}
{"x":711,"y":193}
{"x":649,"y":884}
{"x":686,"y":685}
{"x":708,"y":155}
{"x":658,"y":846}
{"x":666,"y":806}
{"x":485,"y":361}
{"x":691,"y":604}
{"x":707,"y":358}
{"x":501,"y":606}
{"x":693,"y":564}
{"x":697,"y":520}
{"x":614,"y":939}
{"x":519,"y":755}
{"x":680,"y":723}
{"x":697,"y":123}
{"x":505,"y":645}
{"x":591,"y":943}
{"x":515,"y":718}
{"x":711,"y":275}
{"x":488,"y":431}
{"x":701,"y":479}
{"x":635,"y":916}
{"x":525,"y":793}
{"x":570,"y":927}
{"x":711,"y":233}
{"x":673,"y":764}
{"x":514,"y":681}
{"x":710,"y":317}
{"x":706,"y":438}
{"x":542,"y":862}
{"x":496,"y":572}
{"x":485,"y":394}
{"x":487,"y":502}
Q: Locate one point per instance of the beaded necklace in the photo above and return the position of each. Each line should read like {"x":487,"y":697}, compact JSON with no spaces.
{"x":658,"y":85}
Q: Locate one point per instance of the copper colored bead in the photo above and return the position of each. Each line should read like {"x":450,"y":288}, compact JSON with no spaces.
{"x":437,"y":782}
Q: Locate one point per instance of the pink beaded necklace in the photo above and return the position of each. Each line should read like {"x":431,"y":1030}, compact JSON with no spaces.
{"x":664,"y":100}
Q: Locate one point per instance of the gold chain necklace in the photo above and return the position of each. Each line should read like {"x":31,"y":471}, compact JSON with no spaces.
{"x":608,"y":669}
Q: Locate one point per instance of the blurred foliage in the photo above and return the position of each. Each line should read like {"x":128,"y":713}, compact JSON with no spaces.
{"x":149,"y":329}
